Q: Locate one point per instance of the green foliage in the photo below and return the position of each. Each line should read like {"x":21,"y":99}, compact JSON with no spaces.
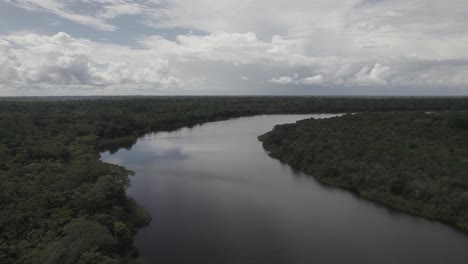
{"x":60,"y":204}
{"x":458,"y":120}
{"x":81,"y":236}
{"x":412,"y":161}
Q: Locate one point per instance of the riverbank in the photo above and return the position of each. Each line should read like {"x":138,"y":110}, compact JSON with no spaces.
{"x":54,"y":190}
{"x":413,"y":162}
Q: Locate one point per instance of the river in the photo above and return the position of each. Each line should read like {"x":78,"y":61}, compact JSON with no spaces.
{"x":216,"y":197}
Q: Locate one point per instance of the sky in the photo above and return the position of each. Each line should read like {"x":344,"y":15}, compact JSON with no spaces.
{"x":233,"y":47}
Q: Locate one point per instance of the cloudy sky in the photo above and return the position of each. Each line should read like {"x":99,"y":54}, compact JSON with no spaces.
{"x":234,"y":47}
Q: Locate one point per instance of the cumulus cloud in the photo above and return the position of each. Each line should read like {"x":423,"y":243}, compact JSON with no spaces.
{"x":426,"y":74}
{"x":378,"y":75}
{"x":314,"y":80}
{"x":328,"y":43}
{"x":63,"y":60}
{"x":236,"y":48}
{"x":283,"y":80}
{"x":8,"y":63}
{"x":342,"y":28}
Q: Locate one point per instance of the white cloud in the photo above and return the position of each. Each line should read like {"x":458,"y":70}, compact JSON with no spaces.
{"x":63,"y":60}
{"x":348,"y":29}
{"x":328,"y":43}
{"x":378,"y":75}
{"x":283,"y":80}
{"x":342,"y":28}
{"x":116,"y":9}
{"x":8,"y":63}
{"x":34,"y":60}
{"x":236,"y":48}
{"x":314,"y":80}
{"x":62,"y":9}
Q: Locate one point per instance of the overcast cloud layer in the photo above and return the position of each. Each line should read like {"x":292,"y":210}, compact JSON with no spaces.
{"x":335,"y":47}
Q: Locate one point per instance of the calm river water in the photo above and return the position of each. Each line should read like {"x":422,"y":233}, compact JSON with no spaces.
{"x":216,"y":197}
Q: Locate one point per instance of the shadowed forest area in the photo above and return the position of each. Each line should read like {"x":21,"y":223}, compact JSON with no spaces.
{"x":61,"y":204}
{"x":413,"y":161}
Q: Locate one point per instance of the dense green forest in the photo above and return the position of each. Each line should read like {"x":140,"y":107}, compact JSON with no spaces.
{"x":412,"y":161}
{"x":60,"y":204}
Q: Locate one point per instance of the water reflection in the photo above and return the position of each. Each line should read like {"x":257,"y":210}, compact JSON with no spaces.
{"x":216,"y":197}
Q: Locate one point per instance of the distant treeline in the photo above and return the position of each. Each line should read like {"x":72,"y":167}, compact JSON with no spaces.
{"x":412,"y":161}
{"x":60,"y":204}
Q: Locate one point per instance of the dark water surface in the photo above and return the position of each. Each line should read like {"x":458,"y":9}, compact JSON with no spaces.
{"x":217,"y":198}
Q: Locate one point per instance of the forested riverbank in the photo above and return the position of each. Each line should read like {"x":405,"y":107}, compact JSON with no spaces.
{"x":61,"y":204}
{"x":413,"y":161}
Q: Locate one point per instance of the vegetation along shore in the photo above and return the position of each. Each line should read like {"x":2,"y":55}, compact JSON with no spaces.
{"x":416,"y":162}
{"x":61,"y":204}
